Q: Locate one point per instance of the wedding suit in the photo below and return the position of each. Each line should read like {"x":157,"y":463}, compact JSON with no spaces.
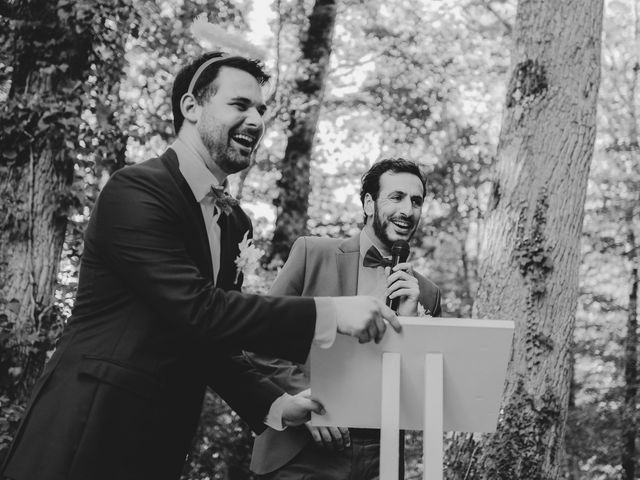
{"x":121,"y":396}
{"x":316,"y":267}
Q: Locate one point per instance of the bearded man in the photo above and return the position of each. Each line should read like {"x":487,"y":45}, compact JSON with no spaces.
{"x":392,"y":196}
{"x":159,"y":315}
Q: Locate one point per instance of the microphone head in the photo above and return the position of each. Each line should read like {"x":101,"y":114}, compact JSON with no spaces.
{"x":400,"y":249}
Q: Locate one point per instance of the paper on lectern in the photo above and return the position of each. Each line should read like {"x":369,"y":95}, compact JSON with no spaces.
{"x":346,"y":378}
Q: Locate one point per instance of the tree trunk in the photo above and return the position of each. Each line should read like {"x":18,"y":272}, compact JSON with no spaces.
{"x":52,"y":51}
{"x":294,"y":185}
{"x":530,"y":248}
{"x":35,"y":176}
{"x":629,"y":408}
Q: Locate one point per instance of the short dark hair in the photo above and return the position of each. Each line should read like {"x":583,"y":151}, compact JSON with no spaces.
{"x":203,"y":88}
{"x":371,"y":178}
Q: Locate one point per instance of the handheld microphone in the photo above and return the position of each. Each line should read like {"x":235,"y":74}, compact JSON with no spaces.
{"x":399,"y":254}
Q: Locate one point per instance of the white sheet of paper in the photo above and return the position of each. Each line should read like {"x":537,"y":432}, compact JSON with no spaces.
{"x":347,"y":378}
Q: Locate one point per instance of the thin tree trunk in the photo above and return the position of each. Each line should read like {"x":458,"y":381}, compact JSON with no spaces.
{"x":294,"y":184}
{"x":629,"y":408}
{"x":530,"y":249}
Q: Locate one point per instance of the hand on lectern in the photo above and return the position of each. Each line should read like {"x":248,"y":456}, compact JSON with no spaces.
{"x":333,"y":438}
{"x":297,"y":408}
{"x":364,"y":318}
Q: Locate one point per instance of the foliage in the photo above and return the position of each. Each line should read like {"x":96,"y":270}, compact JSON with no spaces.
{"x":223,"y":444}
{"x":595,"y":425}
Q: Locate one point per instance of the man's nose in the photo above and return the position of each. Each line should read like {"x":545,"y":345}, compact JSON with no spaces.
{"x":406,"y":206}
{"x":254,"y":119}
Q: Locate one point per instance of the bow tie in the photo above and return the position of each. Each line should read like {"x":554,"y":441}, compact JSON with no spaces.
{"x":222,"y":199}
{"x":374,"y":258}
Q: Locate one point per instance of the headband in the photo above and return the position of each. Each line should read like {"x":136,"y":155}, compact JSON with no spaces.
{"x":202,"y":68}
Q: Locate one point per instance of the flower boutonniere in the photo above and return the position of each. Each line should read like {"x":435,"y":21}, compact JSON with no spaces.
{"x":248,"y":260}
{"x":423,"y":312}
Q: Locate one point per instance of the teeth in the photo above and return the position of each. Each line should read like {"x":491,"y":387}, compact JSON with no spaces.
{"x":244,"y":138}
{"x":402,"y":224}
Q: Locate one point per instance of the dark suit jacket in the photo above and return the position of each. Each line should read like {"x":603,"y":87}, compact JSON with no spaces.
{"x":316,"y":267}
{"x":120,"y":398}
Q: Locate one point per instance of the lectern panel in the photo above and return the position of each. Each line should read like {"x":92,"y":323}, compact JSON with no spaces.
{"x":346,"y":378}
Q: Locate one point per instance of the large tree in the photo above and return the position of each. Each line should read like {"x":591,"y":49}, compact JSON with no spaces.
{"x":530,"y":246}
{"x":52,"y":55}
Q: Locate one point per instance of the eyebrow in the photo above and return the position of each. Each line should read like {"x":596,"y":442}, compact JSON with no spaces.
{"x":400,"y":192}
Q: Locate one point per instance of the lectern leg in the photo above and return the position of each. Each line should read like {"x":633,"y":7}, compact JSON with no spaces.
{"x":390,"y":421}
{"x":433,"y":414}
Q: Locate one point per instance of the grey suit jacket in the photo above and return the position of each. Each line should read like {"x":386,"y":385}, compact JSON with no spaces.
{"x":316,"y":267}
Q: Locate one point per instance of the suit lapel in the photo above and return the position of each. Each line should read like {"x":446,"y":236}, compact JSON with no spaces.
{"x":193,"y":213}
{"x":347,"y":259}
{"x":224,"y":280}
{"x":228,"y":251}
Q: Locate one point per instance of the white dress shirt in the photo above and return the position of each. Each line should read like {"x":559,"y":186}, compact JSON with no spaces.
{"x":200,"y":180}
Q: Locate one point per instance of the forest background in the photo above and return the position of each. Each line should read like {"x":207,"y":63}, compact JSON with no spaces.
{"x":354,"y":81}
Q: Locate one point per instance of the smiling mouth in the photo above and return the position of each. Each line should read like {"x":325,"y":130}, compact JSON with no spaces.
{"x":245,"y":140}
{"x":403,"y":225}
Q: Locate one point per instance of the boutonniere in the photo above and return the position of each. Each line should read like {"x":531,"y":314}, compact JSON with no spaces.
{"x":423,"y":312}
{"x":248,"y":260}
{"x":221,"y":199}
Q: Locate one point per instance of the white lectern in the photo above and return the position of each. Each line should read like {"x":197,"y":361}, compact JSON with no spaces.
{"x":438,"y":374}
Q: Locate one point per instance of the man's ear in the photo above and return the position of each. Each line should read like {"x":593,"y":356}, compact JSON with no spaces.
{"x":189,"y":107}
{"x":369,"y":205}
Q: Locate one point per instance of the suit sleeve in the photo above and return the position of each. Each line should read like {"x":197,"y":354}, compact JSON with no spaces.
{"x":430,"y":296}
{"x":290,"y":376}
{"x":290,"y":280}
{"x":437,"y":308}
{"x":249,"y":393}
{"x":138,"y":230}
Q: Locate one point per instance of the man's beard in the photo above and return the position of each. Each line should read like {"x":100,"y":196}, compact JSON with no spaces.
{"x":380,"y":228}
{"x":228,"y":158}
{"x":224,"y":155}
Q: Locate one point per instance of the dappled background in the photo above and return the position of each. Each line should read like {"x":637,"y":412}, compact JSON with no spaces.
{"x":425,"y":80}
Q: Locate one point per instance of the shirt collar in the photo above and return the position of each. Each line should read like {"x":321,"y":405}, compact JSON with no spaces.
{"x":195,"y":172}
{"x":366,"y":243}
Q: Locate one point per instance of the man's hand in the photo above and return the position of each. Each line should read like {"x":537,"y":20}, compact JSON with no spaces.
{"x":333,"y":438}
{"x":364,"y":318}
{"x":297,"y":408}
{"x":402,"y":283}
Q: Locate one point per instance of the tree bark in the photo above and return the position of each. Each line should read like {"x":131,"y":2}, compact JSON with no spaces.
{"x":52,"y":50}
{"x":35,"y":175}
{"x":530,"y":247}
{"x":294,"y":185}
{"x":629,"y":409}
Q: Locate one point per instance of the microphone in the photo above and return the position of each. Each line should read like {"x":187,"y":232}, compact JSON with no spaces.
{"x":399,"y":254}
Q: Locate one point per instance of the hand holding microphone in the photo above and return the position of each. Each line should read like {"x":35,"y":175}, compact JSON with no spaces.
{"x":402,"y":286}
